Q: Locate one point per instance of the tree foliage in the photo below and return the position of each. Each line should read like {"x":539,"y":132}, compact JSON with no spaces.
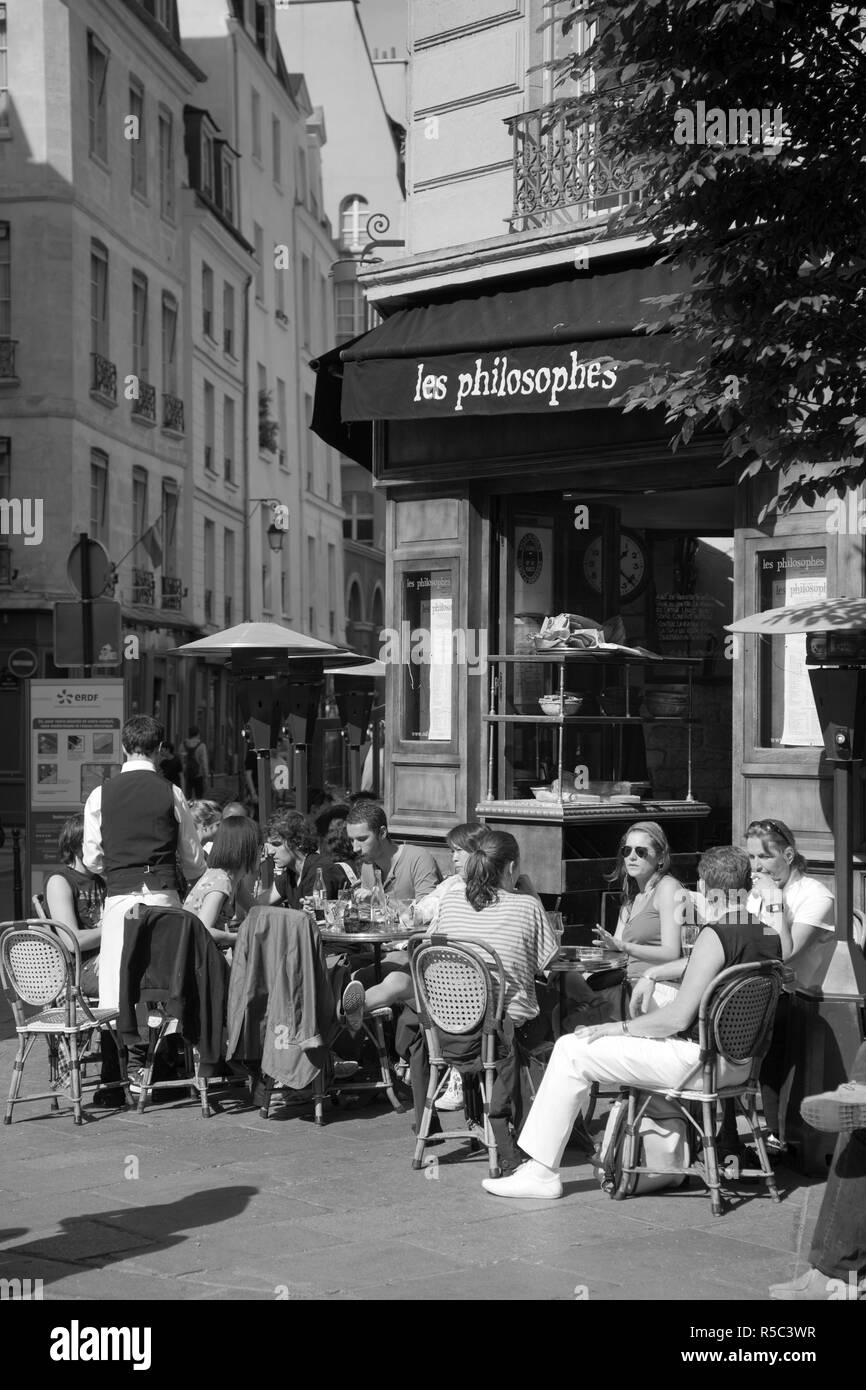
{"x":774,"y":234}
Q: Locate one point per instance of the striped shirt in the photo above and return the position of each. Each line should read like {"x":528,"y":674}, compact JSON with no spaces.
{"x":517,"y":928}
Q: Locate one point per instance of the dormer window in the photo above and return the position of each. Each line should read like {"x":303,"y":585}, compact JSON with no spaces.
{"x":263,"y":21}
{"x":227,"y":174}
{"x":207,"y":169}
{"x":354,"y":212}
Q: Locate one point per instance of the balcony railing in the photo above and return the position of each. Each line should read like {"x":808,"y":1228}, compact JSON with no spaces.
{"x":7,"y":358}
{"x":143,"y":587}
{"x":144,"y":408}
{"x":172,"y":593}
{"x":103,"y":379}
{"x":559,"y":178}
{"x":172,"y":414}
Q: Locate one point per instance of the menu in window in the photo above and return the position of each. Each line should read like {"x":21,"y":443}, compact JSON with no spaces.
{"x":791,"y":578}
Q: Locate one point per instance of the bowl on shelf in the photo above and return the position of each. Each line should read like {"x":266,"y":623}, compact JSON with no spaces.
{"x":570,"y":704}
{"x":666,"y":704}
{"x":611,"y":702}
{"x":544,"y":794}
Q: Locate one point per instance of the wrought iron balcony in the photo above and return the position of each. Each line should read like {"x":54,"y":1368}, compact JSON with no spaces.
{"x":559,"y":178}
{"x":103,"y":379}
{"x":172,"y":414}
{"x":172,"y":593}
{"x":7,"y":358}
{"x":143,"y":587}
{"x":144,"y":408}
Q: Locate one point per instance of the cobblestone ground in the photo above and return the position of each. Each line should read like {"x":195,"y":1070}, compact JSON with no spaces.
{"x":171,"y":1206}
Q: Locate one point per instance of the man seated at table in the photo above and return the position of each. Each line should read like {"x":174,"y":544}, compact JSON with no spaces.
{"x":407,"y":871}
{"x":293,"y":844}
{"x":655,"y":1049}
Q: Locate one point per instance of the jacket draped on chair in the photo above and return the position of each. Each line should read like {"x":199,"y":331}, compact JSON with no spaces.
{"x":167,"y":948}
{"x":281,"y":1011}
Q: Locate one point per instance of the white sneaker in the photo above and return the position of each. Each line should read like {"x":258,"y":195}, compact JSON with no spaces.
{"x":452,"y":1097}
{"x":524,"y":1183}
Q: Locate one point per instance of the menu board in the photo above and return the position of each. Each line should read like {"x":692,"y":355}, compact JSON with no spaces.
{"x":73,"y":731}
{"x":790,"y":578}
{"x":685,"y":619}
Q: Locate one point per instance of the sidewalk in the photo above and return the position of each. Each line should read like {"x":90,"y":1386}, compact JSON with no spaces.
{"x":172,"y":1206}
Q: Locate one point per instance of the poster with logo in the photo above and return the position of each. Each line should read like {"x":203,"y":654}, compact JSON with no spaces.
{"x":73,"y":731}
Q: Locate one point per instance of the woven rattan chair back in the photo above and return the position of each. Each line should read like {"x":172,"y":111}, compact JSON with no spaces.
{"x":455,"y":987}
{"x":742,"y":1016}
{"x":35,"y":965}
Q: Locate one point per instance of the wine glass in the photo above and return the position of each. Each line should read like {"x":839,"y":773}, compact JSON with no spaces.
{"x":690,"y":933}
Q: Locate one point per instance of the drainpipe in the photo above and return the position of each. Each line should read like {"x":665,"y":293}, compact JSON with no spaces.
{"x":245,"y":492}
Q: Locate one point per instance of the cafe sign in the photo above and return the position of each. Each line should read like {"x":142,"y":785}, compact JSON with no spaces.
{"x":539,"y":379}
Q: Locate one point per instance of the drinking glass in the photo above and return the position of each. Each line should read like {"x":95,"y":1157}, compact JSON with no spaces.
{"x":690,"y":931}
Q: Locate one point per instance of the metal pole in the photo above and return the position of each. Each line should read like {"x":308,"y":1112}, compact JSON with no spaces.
{"x":263,"y":770}
{"x":86,"y":606}
{"x":17,"y":877}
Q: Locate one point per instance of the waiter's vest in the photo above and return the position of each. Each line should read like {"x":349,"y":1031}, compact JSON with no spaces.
{"x":139,"y":833}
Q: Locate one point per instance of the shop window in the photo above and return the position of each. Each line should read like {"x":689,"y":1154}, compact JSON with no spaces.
{"x":427,"y":655}
{"x":788,"y":718}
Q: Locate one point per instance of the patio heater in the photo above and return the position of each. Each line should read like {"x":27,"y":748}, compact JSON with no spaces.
{"x":279,"y":676}
{"x":355,"y":693}
{"x":827,"y":1024}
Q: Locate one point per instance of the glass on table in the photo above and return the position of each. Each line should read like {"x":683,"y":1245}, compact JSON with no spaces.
{"x":690,"y":933}
{"x":335,"y":914}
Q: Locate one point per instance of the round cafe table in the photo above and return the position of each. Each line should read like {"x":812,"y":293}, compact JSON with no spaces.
{"x":376,"y":939}
{"x":563,"y":965}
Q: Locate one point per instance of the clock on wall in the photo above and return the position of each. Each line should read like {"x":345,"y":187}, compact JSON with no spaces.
{"x":633,"y":566}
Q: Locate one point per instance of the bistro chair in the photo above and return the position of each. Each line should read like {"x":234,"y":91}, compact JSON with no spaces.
{"x":155,"y":999}
{"x":457,"y":994}
{"x":38,"y":968}
{"x":735,"y":1022}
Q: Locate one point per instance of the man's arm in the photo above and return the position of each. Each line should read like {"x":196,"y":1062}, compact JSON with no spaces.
{"x":426,"y":874}
{"x":707,"y":961}
{"x":189,"y":850}
{"x":91,"y":849}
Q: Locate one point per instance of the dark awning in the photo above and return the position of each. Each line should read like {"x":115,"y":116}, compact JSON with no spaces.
{"x":559,"y":346}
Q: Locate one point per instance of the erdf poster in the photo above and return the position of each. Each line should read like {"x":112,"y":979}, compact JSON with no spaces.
{"x":73,"y":732}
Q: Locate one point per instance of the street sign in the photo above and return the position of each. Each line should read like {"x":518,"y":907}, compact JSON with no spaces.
{"x":107,"y":647}
{"x":23,"y":663}
{"x":97,"y":566}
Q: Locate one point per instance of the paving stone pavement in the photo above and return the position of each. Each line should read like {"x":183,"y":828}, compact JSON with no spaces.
{"x":170,"y":1206}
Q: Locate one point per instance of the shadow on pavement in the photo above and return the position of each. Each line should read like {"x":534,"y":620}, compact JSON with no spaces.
{"x":161,"y":1227}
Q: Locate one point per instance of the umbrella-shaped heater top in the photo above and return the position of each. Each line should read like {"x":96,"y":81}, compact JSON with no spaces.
{"x":271,"y":643}
{"x":826,"y":615}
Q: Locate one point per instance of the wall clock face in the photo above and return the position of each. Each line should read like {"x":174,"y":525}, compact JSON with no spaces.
{"x":633,"y":574}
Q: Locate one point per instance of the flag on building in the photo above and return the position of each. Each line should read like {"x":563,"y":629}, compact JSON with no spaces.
{"x":150,"y":543}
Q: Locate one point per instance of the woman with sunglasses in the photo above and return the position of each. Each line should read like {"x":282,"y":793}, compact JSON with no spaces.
{"x":648,"y":930}
{"x":802,"y":910}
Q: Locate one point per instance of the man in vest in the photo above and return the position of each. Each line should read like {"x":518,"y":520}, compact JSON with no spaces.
{"x":137,"y":827}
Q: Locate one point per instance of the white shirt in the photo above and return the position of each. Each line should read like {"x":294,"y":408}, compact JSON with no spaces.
{"x":189,"y":851}
{"x":806,"y":901}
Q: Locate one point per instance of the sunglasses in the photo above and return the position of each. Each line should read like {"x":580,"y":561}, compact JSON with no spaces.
{"x":641,"y":851}
{"x":772,"y":827}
